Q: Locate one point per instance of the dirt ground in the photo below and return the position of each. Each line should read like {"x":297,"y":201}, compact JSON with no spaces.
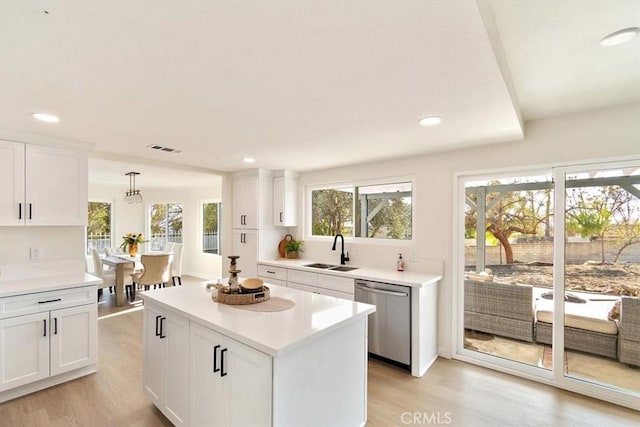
{"x":612,"y":279}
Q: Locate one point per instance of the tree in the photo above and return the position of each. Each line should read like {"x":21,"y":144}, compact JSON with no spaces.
{"x":512,"y":212}
{"x":593,"y":212}
{"x":99,"y":219}
{"x":393,"y":220}
{"x":330,"y":210}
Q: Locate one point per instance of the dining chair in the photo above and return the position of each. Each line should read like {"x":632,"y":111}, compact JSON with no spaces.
{"x":176,"y":264}
{"x":156,"y":270}
{"x":108,"y":277}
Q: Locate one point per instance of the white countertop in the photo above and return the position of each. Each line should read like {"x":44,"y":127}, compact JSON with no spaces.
{"x":274,"y":333}
{"x":406,"y":278}
{"x":28,"y":278}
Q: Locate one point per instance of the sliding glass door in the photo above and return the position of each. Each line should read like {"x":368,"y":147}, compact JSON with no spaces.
{"x":549,"y":276}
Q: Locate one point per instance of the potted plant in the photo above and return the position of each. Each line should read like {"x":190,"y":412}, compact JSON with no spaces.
{"x":292,"y":248}
{"x":130,"y":243}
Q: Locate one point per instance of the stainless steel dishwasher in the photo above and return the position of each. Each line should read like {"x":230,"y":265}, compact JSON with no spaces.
{"x":390,"y":325}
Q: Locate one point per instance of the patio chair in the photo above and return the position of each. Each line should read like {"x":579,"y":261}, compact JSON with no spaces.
{"x":629,"y":331}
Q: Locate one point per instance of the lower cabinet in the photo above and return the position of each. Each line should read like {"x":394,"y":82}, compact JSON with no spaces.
{"x":230,"y":382}
{"x":166,"y":363}
{"x":198,"y":377}
{"x":46,"y":343}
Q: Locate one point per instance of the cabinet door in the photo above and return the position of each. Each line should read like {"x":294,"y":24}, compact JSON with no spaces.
{"x":245,"y":203}
{"x":248,"y":376}
{"x":176,"y":332}
{"x":205,"y":394}
{"x":284,"y":202}
{"x":56,"y":186}
{"x":337,"y":294}
{"x":24,"y":355}
{"x":154,"y":360}
{"x":245,"y":245}
{"x":73,"y":333}
{"x":12,"y":207}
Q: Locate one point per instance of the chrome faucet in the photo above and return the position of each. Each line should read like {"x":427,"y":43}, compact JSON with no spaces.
{"x":343,"y":258}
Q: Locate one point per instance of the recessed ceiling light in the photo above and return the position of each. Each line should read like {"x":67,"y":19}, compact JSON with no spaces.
{"x":248,"y":159}
{"x":49,"y":118}
{"x":620,"y":36}
{"x":430,"y":121}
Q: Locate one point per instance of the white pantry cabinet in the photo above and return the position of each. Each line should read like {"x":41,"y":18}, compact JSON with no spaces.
{"x":226,"y":376}
{"x":166,"y":362}
{"x":285,"y":198}
{"x":57,"y":335}
{"x":245,"y":245}
{"x":41,"y":185}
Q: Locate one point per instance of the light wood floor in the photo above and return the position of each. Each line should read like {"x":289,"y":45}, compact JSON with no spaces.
{"x":452,"y":392}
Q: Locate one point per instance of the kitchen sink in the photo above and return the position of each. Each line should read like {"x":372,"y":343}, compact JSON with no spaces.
{"x":320,"y":265}
{"x":342,"y":268}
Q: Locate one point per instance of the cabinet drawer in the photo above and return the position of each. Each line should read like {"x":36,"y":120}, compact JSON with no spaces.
{"x":301,"y":287}
{"x":271,"y":281}
{"x":44,"y":301}
{"x":303,"y":277}
{"x":272,"y":272}
{"x":337,"y":283}
{"x":337,"y":294}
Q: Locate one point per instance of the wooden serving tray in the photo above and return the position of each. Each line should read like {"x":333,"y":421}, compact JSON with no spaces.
{"x":241,"y":299}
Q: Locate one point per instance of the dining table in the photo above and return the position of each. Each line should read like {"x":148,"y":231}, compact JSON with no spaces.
{"x":124,"y":266}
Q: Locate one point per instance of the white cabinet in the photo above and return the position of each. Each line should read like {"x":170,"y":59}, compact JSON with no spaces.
{"x":166,"y":362}
{"x":48,"y":340}
{"x":325,"y":284}
{"x":42,"y":185}
{"x":225,"y":376}
{"x":245,"y":245}
{"x":285,"y":199}
{"x":245,"y":202}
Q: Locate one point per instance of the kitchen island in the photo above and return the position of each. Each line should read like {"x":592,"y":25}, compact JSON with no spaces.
{"x":207,"y":363}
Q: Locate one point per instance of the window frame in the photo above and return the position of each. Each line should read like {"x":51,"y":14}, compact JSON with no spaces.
{"x":149,"y":233}
{"x":308,"y":209}
{"x":112,"y":223}
{"x":201,"y":226}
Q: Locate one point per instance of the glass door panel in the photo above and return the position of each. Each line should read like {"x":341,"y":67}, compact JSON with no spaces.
{"x":602,"y":277}
{"x":508,"y":266}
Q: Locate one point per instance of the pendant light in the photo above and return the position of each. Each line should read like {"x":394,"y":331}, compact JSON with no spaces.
{"x":133,"y":195}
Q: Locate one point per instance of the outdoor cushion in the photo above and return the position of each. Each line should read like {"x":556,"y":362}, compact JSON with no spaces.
{"x":591,"y":316}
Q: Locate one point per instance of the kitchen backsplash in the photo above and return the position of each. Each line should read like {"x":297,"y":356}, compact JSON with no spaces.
{"x":50,"y":244}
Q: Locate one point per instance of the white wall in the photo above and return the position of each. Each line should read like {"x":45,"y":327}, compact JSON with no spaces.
{"x":569,"y":139}
{"x":55,"y":244}
{"x":133,"y":219}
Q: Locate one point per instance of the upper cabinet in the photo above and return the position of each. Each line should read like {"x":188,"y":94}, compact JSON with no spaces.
{"x":285,"y":199}
{"x":252,"y":199}
{"x":42,"y":185}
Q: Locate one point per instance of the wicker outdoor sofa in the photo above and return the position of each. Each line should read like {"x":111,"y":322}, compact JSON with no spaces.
{"x":509,"y":310}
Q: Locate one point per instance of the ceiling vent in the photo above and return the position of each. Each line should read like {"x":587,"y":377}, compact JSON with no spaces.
{"x":165,"y":149}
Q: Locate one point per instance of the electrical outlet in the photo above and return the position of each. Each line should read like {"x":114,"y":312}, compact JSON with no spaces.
{"x":35,"y":253}
{"x":413,"y":257}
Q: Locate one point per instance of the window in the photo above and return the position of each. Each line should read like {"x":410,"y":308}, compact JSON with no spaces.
{"x":166,"y":225}
{"x":211,"y":226}
{"x":380,"y":211}
{"x":98,"y":226}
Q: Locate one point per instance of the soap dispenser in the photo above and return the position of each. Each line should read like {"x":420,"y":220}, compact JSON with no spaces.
{"x":400,"y":263}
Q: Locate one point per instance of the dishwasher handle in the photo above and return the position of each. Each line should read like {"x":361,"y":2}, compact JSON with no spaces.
{"x":381,"y":291}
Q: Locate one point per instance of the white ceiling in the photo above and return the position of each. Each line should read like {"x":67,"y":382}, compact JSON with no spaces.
{"x":305,"y":85}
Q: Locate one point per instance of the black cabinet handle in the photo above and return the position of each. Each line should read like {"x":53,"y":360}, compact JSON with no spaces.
{"x":44,"y":321}
{"x":280,"y":216}
{"x":55,"y":326}
{"x":162,"y":335}
{"x":271,"y":272}
{"x":19,"y":210}
{"x":223,"y":373}
{"x":50,"y":300}
{"x":157,"y":326}
{"x":29,"y":210}
{"x":215,"y":358}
